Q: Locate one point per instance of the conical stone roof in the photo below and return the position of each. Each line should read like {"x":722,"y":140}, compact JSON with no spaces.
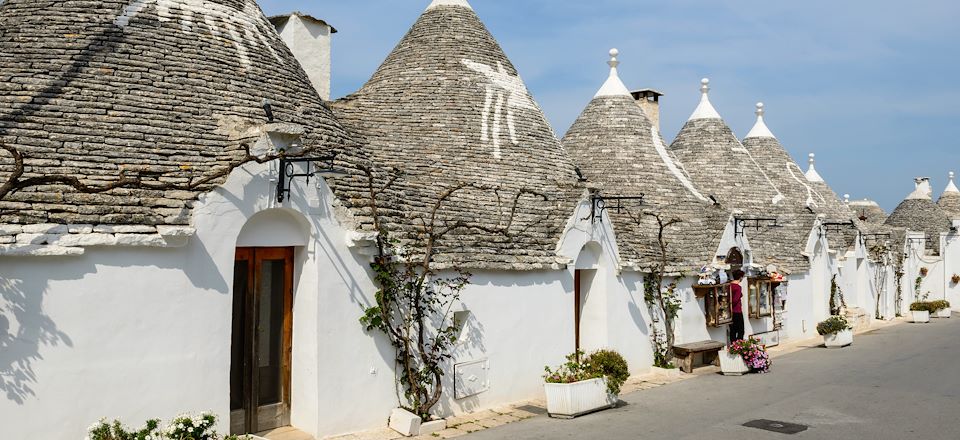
{"x":722,"y":167}
{"x":833,"y":209}
{"x":918,"y":213}
{"x":868,"y":211}
{"x":169,"y":90}
{"x":950,"y":199}
{"x":448,"y":107}
{"x":621,"y":153}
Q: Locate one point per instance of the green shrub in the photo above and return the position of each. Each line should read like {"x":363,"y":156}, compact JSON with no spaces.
{"x":181,"y":428}
{"x":610,"y":364}
{"x":922,"y":306}
{"x":833,"y":324}
{"x":602,"y":363}
{"x":116,"y":431}
{"x":940,"y":304}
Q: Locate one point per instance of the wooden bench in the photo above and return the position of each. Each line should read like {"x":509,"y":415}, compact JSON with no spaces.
{"x":686,"y":352}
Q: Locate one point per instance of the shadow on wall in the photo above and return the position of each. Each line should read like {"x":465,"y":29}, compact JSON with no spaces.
{"x":24,"y":328}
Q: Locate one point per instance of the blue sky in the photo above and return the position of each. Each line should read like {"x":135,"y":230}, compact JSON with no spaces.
{"x":871,"y":87}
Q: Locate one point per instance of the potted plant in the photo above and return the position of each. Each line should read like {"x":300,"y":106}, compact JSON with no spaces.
{"x":955,"y":279}
{"x":836,"y":332}
{"x":920,"y":311}
{"x":941,"y":308}
{"x":924,"y":271}
{"x":585,"y":384}
{"x":744,"y":356}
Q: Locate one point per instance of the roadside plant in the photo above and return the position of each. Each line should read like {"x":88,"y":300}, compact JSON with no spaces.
{"x":184,"y":427}
{"x":611,"y":365}
{"x":922,"y":306}
{"x":754,"y":354}
{"x":837,"y":303}
{"x":600,"y":364}
{"x":116,"y":431}
{"x":662,"y":300}
{"x":940,"y":304}
{"x":833,"y":324}
{"x":187,"y":427}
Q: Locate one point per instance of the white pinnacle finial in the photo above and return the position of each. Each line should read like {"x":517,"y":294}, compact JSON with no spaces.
{"x":760,"y":129}
{"x":705,"y":110}
{"x":614,"y":86}
{"x":846,"y":199}
{"x":952,"y":187}
{"x":812,"y":174}
{"x":613,"y":63}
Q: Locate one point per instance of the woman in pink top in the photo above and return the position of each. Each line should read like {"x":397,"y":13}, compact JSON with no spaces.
{"x":736,"y":306}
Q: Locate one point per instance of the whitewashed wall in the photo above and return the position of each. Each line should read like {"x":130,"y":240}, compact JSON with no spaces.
{"x":951,"y":262}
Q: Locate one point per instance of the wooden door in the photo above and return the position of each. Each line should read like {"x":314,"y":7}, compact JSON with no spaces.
{"x":262,"y":330}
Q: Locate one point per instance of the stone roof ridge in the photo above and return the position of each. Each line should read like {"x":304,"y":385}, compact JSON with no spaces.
{"x":864,"y":202}
{"x":760,"y":129}
{"x":951,"y":187}
{"x":923,"y":191}
{"x":614,"y":86}
{"x":812,"y":174}
{"x":705,"y":109}
{"x":459,"y":3}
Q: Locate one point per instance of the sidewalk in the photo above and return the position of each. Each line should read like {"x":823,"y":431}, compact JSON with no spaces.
{"x":468,"y":423}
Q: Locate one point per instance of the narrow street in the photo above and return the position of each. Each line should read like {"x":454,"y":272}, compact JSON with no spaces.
{"x":899,"y":382}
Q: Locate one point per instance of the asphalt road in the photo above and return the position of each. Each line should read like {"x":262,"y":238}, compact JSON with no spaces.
{"x":899,"y":382}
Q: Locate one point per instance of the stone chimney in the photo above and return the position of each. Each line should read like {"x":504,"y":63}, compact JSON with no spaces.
{"x":649,"y":101}
{"x":309,"y":39}
{"x":923,"y":189}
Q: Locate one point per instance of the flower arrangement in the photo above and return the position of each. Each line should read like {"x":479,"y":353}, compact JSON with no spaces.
{"x":924,"y":271}
{"x":184,"y":427}
{"x":833,"y":324}
{"x":940,"y":304}
{"x":601,"y":363}
{"x":753,"y":354}
{"x":955,"y":278}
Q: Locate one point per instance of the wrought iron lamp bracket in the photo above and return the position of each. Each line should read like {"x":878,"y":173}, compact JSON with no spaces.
{"x":598,"y":204}
{"x":740,"y":224}
{"x":288,"y":172}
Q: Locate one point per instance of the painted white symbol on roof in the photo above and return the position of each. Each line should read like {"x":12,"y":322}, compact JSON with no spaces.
{"x":811,"y":203}
{"x":504,"y":91}
{"x":222,"y":21}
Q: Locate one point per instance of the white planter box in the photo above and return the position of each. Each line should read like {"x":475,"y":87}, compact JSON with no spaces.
{"x":839,"y":339}
{"x":944,"y":313}
{"x":732,"y":364}
{"x":920,"y":316}
{"x":568,"y":400}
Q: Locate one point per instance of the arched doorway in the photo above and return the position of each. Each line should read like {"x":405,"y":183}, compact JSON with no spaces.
{"x":262,"y":324}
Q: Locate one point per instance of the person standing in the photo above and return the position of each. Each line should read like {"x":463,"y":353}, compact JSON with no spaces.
{"x":736,"y":306}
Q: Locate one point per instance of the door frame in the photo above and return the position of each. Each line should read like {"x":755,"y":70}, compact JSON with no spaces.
{"x":250,"y":418}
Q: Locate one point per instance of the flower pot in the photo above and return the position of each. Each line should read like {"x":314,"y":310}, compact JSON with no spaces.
{"x":944,"y":313}
{"x":839,"y":339}
{"x":732,"y":364}
{"x":920,"y":316}
{"x":568,"y":400}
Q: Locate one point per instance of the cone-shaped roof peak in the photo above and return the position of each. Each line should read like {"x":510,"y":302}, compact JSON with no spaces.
{"x":760,"y":129}
{"x":460,"y":3}
{"x":614,"y":86}
{"x":812,"y":174}
{"x":705,"y":109}
{"x":951,"y":186}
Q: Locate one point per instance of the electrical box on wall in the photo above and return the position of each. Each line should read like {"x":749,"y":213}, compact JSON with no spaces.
{"x":471,"y":378}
